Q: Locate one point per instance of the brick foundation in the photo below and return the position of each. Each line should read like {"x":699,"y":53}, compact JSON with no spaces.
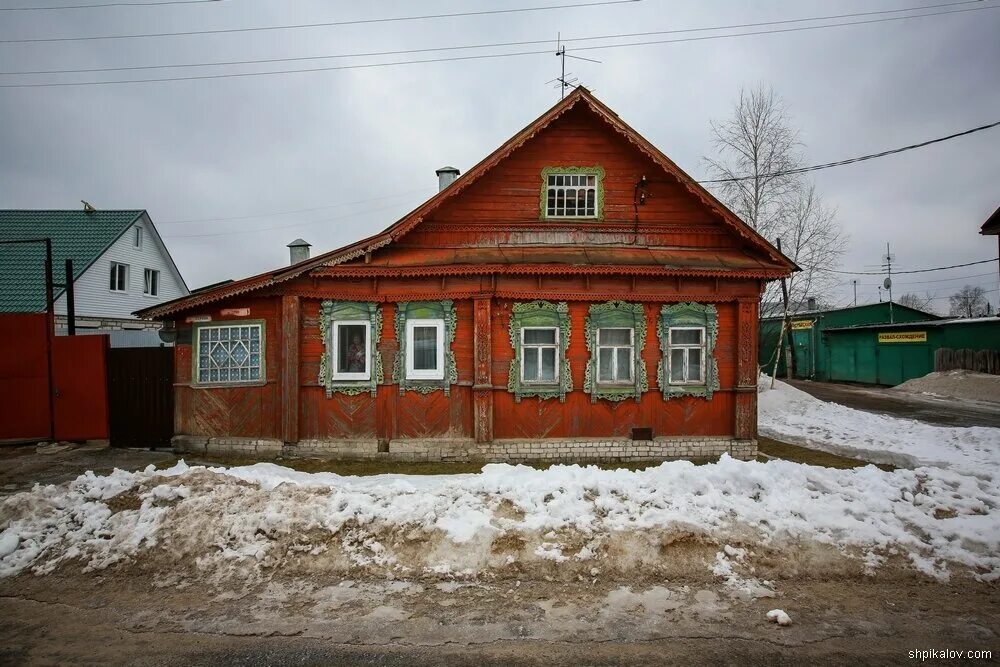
{"x":506,"y":451}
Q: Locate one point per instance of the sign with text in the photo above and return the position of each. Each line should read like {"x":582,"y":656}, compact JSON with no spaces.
{"x":801,"y":324}
{"x":903,"y":337}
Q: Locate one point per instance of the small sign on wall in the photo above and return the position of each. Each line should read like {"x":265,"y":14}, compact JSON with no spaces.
{"x":235,"y":312}
{"x":198,"y":318}
{"x":903,"y":337}
{"x":801,"y":324}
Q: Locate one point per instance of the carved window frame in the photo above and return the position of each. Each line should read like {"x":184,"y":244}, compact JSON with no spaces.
{"x":616,"y":315}
{"x":685,"y":316}
{"x":350,"y":311}
{"x":540,"y":314}
{"x":426,"y":310}
{"x":595,"y":170}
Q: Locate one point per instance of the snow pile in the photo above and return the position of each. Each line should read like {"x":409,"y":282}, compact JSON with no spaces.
{"x":791,"y":415}
{"x":764,"y":520}
{"x":961,"y":384}
{"x":780,"y":617}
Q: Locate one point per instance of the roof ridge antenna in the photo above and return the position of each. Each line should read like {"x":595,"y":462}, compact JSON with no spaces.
{"x":561,"y":80}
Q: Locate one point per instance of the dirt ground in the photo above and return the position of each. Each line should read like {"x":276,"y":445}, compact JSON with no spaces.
{"x":930,"y":409}
{"x":122,"y":617}
{"x":135,"y":616}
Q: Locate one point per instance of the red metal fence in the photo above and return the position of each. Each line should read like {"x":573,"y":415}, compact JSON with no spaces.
{"x":78,"y":409}
{"x":24,"y":377}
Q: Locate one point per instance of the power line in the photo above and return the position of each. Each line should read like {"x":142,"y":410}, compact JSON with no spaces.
{"x":398,"y":52}
{"x":286,"y":212}
{"x":882,"y":273}
{"x":463,"y":58}
{"x":862,"y":158}
{"x":813,"y":168}
{"x":326,"y":24}
{"x":107,"y":4}
{"x":348,"y":216}
{"x":924,"y":282}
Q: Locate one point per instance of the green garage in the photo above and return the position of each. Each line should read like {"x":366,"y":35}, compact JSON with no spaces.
{"x":889,"y":354}
{"x":813,"y":358}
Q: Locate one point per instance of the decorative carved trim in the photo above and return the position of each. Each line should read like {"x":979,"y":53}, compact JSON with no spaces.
{"x":689,"y":314}
{"x":596,"y":170}
{"x":483,"y":342}
{"x":332,"y":311}
{"x":617,"y":314}
{"x":540,"y":314}
{"x":444,"y":310}
{"x":360,"y":271}
{"x":746,"y":360}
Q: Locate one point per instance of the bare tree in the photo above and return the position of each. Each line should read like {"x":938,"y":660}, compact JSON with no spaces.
{"x":914,"y":300}
{"x":756,"y":148}
{"x":812,"y":239}
{"x":968,"y":302}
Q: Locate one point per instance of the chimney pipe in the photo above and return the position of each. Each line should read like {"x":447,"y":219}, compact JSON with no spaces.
{"x":811,"y":303}
{"x":446,"y":175}
{"x":298,"y":251}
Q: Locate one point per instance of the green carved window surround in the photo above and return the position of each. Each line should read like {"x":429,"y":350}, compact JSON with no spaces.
{"x":561,"y":179}
{"x":354,"y":317}
{"x":616,"y":317}
{"x":542,"y":325}
{"x":443,"y":311}
{"x":696,"y":327}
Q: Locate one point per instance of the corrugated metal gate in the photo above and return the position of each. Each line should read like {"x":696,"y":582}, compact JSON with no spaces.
{"x":78,"y":408}
{"x":24,"y":377}
{"x":80,"y":387}
{"x":141,"y":393}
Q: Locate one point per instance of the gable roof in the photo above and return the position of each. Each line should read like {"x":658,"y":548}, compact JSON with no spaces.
{"x":776,"y":262}
{"x":76,"y":234}
{"x":992,"y":224}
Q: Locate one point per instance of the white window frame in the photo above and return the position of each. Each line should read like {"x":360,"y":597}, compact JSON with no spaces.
{"x":137,"y":237}
{"x":671,"y":346}
{"x":202,"y":329}
{"x":115,"y":268}
{"x":540,"y":347}
{"x":575,"y":215}
{"x":334,"y":348}
{"x":424,"y":374}
{"x":146,"y":284}
{"x":614,"y":357}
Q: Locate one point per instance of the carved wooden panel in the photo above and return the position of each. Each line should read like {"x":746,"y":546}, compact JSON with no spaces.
{"x":423,"y":415}
{"x":341,"y":416}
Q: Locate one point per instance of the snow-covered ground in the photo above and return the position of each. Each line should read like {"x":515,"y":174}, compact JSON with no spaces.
{"x":753,"y":520}
{"x":744,"y":524}
{"x":791,"y":415}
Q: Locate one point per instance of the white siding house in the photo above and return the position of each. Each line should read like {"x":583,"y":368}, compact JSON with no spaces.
{"x":136,"y":253}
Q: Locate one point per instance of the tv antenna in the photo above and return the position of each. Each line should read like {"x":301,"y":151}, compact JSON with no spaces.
{"x":562,"y":81}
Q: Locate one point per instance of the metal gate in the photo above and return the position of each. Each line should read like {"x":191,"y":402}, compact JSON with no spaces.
{"x":141,"y":396}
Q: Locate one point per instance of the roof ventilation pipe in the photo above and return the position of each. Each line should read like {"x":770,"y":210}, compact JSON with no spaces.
{"x":446,"y":176}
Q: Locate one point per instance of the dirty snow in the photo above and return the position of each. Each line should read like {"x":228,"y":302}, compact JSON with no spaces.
{"x":960,"y":384}
{"x":791,"y":415}
{"x":779,"y":616}
{"x":746,"y":522}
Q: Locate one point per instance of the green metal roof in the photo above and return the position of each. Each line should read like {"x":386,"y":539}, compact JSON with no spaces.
{"x":76,"y":235}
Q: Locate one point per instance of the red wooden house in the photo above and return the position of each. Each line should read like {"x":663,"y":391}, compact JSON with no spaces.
{"x":574,"y":296}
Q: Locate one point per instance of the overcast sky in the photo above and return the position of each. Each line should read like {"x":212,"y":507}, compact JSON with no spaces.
{"x":360,"y":146}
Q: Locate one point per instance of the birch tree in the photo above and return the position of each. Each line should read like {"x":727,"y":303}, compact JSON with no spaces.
{"x":755,"y":148}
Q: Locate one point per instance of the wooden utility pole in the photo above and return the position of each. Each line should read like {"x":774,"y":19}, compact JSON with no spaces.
{"x":787,"y":326}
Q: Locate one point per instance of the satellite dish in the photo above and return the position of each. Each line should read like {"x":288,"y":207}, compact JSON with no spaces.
{"x":887,"y":283}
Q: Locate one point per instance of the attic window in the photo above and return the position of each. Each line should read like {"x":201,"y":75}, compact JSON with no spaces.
{"x":137,"y":239}
{"x":572,"y":192}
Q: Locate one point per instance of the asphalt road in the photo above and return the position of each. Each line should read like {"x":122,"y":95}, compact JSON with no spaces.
{"x":941,"y":411}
